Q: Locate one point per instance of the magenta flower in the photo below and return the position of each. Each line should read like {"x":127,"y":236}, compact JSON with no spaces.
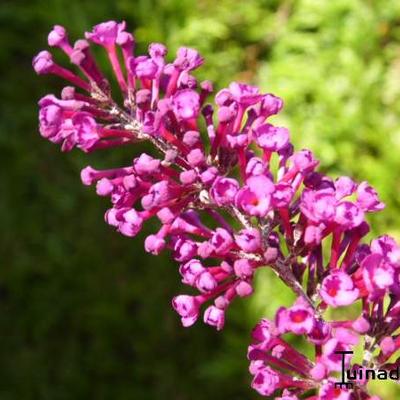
{"x":255,"y":197}
{"x":283,"y":195}
{"x":50,"y":120}
{"x":143,"y":67}
{"x":243,"y":268}
{"x":244,"y":94}
{"x":344,"y":186}
{"x":184,"y":249}
{"x":43,"y":63}
{"x":105,"y":33}
{"x":129,"y":222}
{"x":256,"y":166}
{"x":338,"y":289}
{"x":223,"y":190}
{"x":190,"y":271}
{"x":297,"y":319}
{"x":387,"y":247}
{"x":348,"y":215}
{"x":378,"y":275}
{"x":330,"y":357}
{"x":293,"y":371}
{"x":249,"y":240}
{"x":367,"y":198}
{"x":205,"y":282}
{"x":154,"y":244}
{"x":318,"y":206}
{"x":265,"y":381}
{"x":58,"y":38}
{"x":271,"y":137}
{"x":186,"y":306}
{"x":221,"y":241}
{"x":186,"y":104}
{"x":188,"y":59}
{"x":330,"y":392}
{"x":215,"y":317}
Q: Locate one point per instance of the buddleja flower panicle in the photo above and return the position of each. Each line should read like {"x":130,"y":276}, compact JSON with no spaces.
{"x":290,"y":218}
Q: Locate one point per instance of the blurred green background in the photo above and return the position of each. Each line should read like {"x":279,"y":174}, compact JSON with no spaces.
{"x":84,"y":312}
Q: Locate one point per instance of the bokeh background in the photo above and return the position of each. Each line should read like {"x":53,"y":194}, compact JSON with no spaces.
{"x":84,"y":312}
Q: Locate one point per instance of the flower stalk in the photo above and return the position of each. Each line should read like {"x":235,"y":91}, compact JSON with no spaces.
{"x":225,"y":211}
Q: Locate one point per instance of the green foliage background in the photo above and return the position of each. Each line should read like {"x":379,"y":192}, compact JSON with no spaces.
{"x":84,"y":312}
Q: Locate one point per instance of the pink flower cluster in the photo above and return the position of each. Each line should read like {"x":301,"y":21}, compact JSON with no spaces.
{"x":230,"y":195}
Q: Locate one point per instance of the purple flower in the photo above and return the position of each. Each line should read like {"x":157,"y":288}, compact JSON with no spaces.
{"x":282,"y":195}
{"x":243,"y":268}
{"x":361,"y":325}
{"x":50,"y":120}
{"x":255,"y":166}
{"x":244,"y":289}
{"x":187,"y":307}
{"x":129,"y":222}
{"x":255,"y":197}
{"x":209,"y":175}
{"x":223,"y":190}
{"x":126,"y":41}
{"x":320,"y":333}
{"x":146,"y":164}
{"x":188,"y":59}
{"x":304,"y":160}
{"x":104,"y":187}
{"x":158,"y":195}
{"x":188,"y":177}
{"x":271,"y":138}
{"x":338,"y":289}
{"x":265,"y":381}
{"x":221,"y":241}
{"x":270,"y":105}
{"x":318,"y":206}
{"x":331,"y":357}
{"x":143,"y":67}
{"x":330,"y":392}
{"x":297,"y":319}
{"x":106,"y":33}
{"x":191,"y":138}
{"x":348,"y":215}
{"x":154,"y":244}
{"x":186,"y":104}
{"x":43,"y":63}
{"x":195,"y":158}
{"x":86,"y":131}
{"x":215,"y":317}
{"x":262,"y":331}
{"x":344,"y":187}
{"x":387,"y":345}
{"x":378,"y":276}
{"x":190,"y":271}
{"x":287,"y":395}
{"x":58,"y":38}
{"x":206,"y":282}
{"x":244,"y":94}
{"x":157,"y":52}
{"x":249,"y":240}
{"x":184,"y":249}
{"x":367,"y":198}
{"x":223,"y":98}
{"x":388,"y":248}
